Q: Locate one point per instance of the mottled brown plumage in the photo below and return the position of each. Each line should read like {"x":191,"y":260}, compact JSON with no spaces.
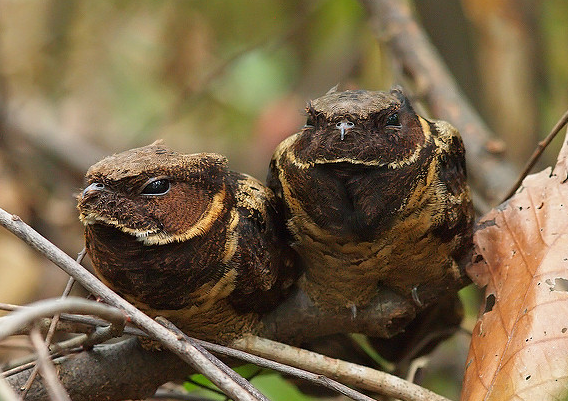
{"x":375,"y":195}
{"x":183,"y":237}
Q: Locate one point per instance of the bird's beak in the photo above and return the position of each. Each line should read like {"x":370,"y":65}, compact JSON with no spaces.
{"x":95,"y":186}
{"x":344,"y":125}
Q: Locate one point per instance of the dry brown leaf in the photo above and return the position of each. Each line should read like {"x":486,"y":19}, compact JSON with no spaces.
{"x":519,"y":347}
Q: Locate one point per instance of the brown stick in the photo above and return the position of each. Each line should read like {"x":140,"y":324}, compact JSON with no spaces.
{"x":349,"y":373}
{"x":110,"y":372}
{"x":54,"y":386}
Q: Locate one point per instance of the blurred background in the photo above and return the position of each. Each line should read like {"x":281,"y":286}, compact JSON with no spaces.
{"x":82,"y":79}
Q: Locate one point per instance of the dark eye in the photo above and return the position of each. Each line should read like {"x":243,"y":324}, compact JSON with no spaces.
{"x":393,"y":120}
{"x":157,"y":187}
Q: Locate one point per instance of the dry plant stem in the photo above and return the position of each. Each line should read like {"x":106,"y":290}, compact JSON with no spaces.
{"x":537,"y":153}
{"x":410,"y":46}
{"x":289,"y":370}
{"x":54,"y":387}
{"x":79,"y":319}
{"x":18,"y":369}
{"x":349,"y":373}
{"x":114,"y":371}
{"x":265,"y":363}
{"x":219,"y":349}
{"x":15,"y":321}
{"x":424,"y":342}
{"x":57,"y":350}
{"x":231,"y":373}
{"x":183,"y":349}
{"x":53,"y":325}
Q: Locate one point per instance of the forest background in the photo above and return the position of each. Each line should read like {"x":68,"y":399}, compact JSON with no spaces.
{"x":81,"y":79}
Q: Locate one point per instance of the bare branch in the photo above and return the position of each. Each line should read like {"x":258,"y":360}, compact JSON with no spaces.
{"x":229,"y":372}
{"x":117,"y":371}
{"x":54,"y":387}
{"x":175,"y":395}
{"x":77,"y":323}
{"x":53,"y":324}
{"x":12,"y":323}
{"x":297,"y":319}
{"x":266,"y":363}
{"x":346,"y":372}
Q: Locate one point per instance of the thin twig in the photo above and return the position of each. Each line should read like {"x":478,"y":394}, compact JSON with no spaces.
{"x":218,"y":349}
{"x":11,"y":323}
{"x":53,"y":325}
{"x":53,"y":385}
{"x":230,"y":372}
{"x":204,"y":386}
{"x":20,"y":368}
{"x":304,"y":374}
{"x":80,"y":319}
{"x":183,"y":349}
{"x":265,"y":363}
{"x":9,"y":307}
{"x":537,"y":153}
{"x":424,"y":341}
{"x":349,"y":373}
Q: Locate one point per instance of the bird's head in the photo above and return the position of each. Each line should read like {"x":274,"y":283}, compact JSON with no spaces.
{"x":155,"y":194}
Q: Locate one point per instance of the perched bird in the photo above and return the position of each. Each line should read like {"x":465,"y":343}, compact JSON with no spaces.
{"x":183,"y":237}
{"x":374,"y":195}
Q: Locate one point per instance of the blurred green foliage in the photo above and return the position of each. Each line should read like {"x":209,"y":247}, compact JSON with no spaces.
{"x":270,"y":384}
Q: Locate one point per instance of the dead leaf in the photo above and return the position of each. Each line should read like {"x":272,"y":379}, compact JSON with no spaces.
{"x":519,"y":347}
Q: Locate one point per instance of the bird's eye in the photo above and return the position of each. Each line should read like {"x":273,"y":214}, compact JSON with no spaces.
{"x":157,"y":187}
{"x":393,"y":120}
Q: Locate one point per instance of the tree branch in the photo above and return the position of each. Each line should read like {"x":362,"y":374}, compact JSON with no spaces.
{"x":110,"y":372}
{"x":537,"y":153}
{"x":54,"y":387}
{"x":12,"y":323}
{"x":297,"y":319}
{"x":346,"y":372}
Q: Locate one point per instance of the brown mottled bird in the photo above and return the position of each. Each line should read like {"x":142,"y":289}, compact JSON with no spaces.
{"x":183,"y":237}
{"x":374,"y":195}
